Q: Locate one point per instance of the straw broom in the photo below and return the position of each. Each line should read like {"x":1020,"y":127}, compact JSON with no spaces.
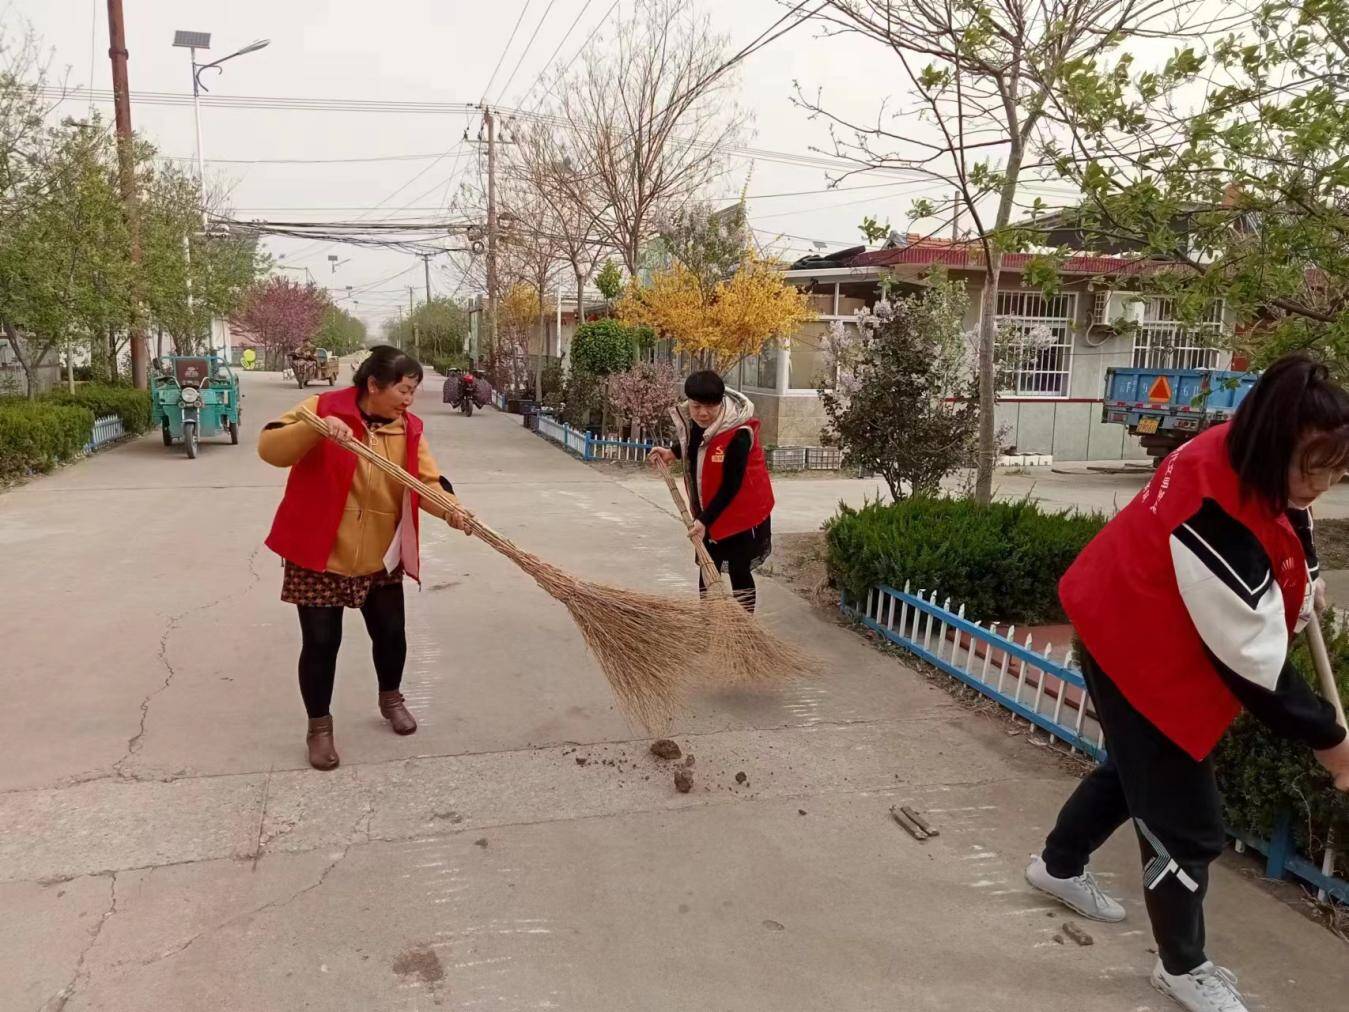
{"x":740,"y":648}
{"x":639,"y":639}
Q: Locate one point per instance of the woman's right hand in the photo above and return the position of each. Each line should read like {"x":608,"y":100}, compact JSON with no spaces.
{"x":662,"y":454}
{"x":1336,"y":762}
{"x":339,"y":430}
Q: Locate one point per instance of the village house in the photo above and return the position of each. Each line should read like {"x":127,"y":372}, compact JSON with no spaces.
{"x":1053,"y":351}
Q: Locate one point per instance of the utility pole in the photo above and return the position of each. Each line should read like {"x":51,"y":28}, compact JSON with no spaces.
{"x":490,"y":122}
{"x":121,"y":88}
{"x":426,"y":265}
{"x":416,"y":339}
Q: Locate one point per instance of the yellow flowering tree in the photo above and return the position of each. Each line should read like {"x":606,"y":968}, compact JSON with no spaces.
{"x":721,"y":326}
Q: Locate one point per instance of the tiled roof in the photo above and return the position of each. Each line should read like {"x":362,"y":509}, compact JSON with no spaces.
{"x":930,"y":252}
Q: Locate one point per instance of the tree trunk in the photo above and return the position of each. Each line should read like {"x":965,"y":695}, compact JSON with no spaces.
{"x":112,"y":353}
{"x":12,"y":335}
{"x":987,"y":457}
{"x":543,"y":348}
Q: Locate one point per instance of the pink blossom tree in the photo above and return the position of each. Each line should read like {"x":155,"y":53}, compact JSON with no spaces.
{"x":644,"y":395}
{"x":280,"y":315}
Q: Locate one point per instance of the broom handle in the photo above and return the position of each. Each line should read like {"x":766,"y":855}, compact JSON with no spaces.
{"x":711,"y":573}
{"x":1321,"y":658}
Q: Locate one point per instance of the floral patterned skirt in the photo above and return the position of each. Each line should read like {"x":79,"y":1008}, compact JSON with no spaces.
{"x":313,"y":589}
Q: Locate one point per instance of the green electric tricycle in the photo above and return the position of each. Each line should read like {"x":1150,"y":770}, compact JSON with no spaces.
{"x":192,"y":397}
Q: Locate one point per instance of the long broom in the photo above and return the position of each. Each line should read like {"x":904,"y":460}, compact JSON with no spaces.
{"x":742,"y":650}
{"x":640,"y":640}
{"x":1326,"y":675}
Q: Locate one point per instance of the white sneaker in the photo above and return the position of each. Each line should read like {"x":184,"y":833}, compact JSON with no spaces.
{"x":1206,"y":988}
{"x":1082,"y":894}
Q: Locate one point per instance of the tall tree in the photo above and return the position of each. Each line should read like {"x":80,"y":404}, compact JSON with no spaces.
{"x":651,"y":110}
{"x":982,"y":75}
{"x":1227,"y":161}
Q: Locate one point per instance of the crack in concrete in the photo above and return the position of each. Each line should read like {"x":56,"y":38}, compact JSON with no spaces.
{"x":133,"y":744}
{"x":59,"y":1001}
{"x":278,"y":904}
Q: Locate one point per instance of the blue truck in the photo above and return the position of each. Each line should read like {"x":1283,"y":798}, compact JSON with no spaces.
{"x":1166,"y":407}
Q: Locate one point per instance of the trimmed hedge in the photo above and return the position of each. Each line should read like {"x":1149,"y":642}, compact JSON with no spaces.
{"x":1002,"y":561}
{"x":37,"y":435}
{"x":127,"y":403}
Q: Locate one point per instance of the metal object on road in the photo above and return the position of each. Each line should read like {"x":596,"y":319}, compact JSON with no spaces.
{"x":913,"y":823}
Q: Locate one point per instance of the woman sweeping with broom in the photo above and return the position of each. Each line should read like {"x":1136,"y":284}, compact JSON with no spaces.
{"x":726,"y":478}
{"x":1186,"y":605}
{"x":348,"y":534}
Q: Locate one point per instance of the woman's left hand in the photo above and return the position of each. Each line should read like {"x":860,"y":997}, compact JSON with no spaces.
{"x":458,"y":518}
{"x":697,"y":532}
{"x":1319,"y":600}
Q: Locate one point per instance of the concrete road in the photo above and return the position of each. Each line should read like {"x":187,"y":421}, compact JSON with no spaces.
{"x":163,"y":844}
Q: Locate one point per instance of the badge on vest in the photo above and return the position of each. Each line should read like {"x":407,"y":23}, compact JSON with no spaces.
{"x":719,"y":457}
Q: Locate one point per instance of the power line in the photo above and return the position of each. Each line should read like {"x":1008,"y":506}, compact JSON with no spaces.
{"x":525,"y":52}
{"x":285,"y":104}
{"x":579,"y":50}
{"x":305,"y":161}
{"x":558,"y":48}
{"x":502,"y":57}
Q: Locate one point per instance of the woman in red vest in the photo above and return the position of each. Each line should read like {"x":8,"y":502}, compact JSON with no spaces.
{"x":348,"y":533}
{"x":726,"y":478}
{"x":1186,"y":605}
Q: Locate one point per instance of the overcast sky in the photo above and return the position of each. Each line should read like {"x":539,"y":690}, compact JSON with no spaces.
{"x":440,"y":51}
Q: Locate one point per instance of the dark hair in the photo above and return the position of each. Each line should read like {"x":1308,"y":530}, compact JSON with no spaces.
{"x":705,"y":387}
{"x":1294,"y":398}
{"x":386,"y":365}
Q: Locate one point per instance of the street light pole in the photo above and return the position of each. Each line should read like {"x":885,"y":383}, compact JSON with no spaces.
{"x":192,"y":41}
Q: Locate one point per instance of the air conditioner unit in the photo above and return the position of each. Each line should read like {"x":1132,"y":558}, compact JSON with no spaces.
{"x":1114,"y":308}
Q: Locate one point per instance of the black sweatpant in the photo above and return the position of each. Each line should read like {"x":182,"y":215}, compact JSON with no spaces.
{"x":321,"y":636}
{"x":737,"y":556}
{"x":1176,"y":811}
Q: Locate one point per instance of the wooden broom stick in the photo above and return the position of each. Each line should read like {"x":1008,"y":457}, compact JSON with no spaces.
{"x":711,"y":572}
{"x":1321,"y":659}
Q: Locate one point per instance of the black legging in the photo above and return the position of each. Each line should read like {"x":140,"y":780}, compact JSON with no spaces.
{"x":737,"y":555}
{"x":321,"y":635}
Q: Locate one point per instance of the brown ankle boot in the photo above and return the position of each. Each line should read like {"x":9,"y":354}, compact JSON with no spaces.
{"x":322,"y":751}
{"x":392,"y":709}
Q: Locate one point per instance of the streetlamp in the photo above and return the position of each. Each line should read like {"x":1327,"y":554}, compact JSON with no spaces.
{"x":192,"y":41}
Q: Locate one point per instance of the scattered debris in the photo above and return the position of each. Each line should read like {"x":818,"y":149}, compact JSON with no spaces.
{"x":741,"y":778}
{"x":1075,"y":932}
{"x":800,"y":811}
{"x":688,"y":761}
{"x":664,"y":748}
{"x":481,"y":842}
{"x":913,"y":823}
{"x":683,"y":781}
{"x":774,"y":926}
{"x":581,"y":760}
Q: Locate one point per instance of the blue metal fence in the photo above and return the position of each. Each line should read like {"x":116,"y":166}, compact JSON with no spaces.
{"x":1047,"y":693}
{"x":106,"y":430}
{"x":589,"y":447}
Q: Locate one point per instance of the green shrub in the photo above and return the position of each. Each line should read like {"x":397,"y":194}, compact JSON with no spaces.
{"x":1002,"y":561}
{"x":1262,"y":775}
{"x":602,"y":347}
{"x":127,"y":403}
{"x":38,"y":435}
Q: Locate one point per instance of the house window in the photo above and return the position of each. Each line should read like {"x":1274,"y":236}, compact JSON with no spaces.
{"x":1164,"y":342}
{"x":1034,"y":344}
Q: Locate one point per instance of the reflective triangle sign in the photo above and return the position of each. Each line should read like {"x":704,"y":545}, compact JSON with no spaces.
{"x":1160,"y":391}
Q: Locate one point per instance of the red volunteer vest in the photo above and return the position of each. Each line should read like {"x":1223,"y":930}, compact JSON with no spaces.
{"x":305,"y":528}
{"x":1123,"y":600}
{"x":754,"y":502}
